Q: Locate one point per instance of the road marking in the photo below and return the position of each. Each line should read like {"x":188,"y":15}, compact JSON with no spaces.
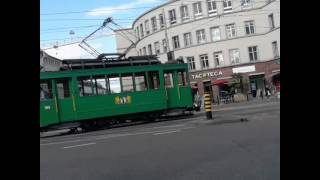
{"x":80,"y":145}
{"x":169,"y":126}
{"x":167,"y":132}
{"x":103,"y":137}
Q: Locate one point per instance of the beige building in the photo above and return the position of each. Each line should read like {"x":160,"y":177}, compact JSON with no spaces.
{"x":218,"y":38}
{"x":49,"y":63}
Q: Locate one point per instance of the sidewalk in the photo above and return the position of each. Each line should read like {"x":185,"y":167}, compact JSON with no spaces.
{"x":245,"y":103}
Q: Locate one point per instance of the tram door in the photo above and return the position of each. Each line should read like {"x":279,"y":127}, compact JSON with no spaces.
{"x":48,"y":108}
{"x":172,"y":88}
{"x":65,"y":99}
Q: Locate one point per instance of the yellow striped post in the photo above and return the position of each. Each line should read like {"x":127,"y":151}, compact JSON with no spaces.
{"x":207,"y":105}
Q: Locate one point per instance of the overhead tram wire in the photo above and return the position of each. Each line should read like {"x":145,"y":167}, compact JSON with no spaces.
{"x":124,"y":20}
{"x":145,"y":7}
{"x":74,"y":27}
{"x":227,"y":15}
{"x":211,"y":19}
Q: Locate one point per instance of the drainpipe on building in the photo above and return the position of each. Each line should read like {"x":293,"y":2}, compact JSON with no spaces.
{"x":166,"y":35}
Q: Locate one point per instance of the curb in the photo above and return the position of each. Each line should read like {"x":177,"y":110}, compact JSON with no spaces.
{"x":221,"y":120}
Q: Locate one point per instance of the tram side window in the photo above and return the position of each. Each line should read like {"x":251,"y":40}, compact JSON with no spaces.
{"x":154,"y":81}
{"x":85,"y":86}
{"x":63,"y":88}
{"x":100,"y":85}
{"x":182,"y":77}
{"x":140,"y":81}
{"x":115,"y":85}
{"x":127,"y":83}
{"x":168,"y":78}
{"x":45,"y":90}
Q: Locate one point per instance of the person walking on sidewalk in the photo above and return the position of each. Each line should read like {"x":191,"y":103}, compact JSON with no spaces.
{"x":267,"y":92}
{"x":261,"y":94}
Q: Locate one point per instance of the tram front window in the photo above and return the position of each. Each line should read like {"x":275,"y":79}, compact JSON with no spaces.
{"x":45,"y":90}
{"x":168,"y":79}
{"x":182,"y":78}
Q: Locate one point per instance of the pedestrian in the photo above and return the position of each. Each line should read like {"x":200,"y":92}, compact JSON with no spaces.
{"x":267,"y":92}
{"x":261,"y":94}
{"x":197,"y":101}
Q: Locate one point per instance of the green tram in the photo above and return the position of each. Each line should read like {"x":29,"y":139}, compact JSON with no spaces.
{"x":90,"y":97}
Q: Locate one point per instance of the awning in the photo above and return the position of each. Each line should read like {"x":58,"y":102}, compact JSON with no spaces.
{"x":219,"y":82}
{"x":194,"y":87}
{"x":272,"y":75}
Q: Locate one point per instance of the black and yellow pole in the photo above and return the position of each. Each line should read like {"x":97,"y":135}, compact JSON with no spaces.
{"x":207,"y":105}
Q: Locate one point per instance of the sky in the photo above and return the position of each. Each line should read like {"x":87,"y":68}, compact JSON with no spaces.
{"x":60,"y":17}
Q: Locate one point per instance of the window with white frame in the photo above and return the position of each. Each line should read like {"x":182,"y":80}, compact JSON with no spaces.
{"x":249,"y":26}
{"x":253,"y":53}
{"x":187,"y":39}
{"x":176,"y":43}
{"x":137,"y":32}
{"x":218,"y":58}
{"x":201,"y":36}
{"x":231,"y":30}
{"x":197,"y":9}
{"x":204,"y":61}
{"x":215,"y":33}
{"x":212,"y":7}
{"x":227,"y":6}
{"x":146,"y":25}
{"x":150,"y":49}
{"x":162,"y":22}
{"x":172,"y":16}
{"x":157,"y":47}
{"x":140,"y":52}
{"x":141,"y":30}
{"x":191,"y":63}
{"x":275,"y":49}
{"x":144,"y":50}
{"x":246,"y":4}
{"x":184,"y":13}
{"x":154,"y":24}
{"x":234,"y":56}
{"x":271,"y":21}
{"x":164,"y":45}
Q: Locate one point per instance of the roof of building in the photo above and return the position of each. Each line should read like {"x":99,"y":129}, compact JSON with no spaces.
{"x":159,"y":6}
{"x":47,"y":55}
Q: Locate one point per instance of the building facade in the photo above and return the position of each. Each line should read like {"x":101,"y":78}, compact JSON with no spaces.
{"x":218,"y":39}
{"x":49,"y":63}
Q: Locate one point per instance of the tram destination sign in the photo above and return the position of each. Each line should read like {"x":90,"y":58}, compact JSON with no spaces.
{"x":207,"y":74}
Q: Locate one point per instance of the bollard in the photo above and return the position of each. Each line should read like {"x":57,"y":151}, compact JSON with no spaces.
{"x":207,"y":105}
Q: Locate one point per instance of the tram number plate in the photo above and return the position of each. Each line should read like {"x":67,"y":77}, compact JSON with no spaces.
{"x":47,"y":108}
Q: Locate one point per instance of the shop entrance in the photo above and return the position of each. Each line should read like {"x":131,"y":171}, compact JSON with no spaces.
{"x":257,"y":84}
{"x":276,"y":80}
{"x":207,"y":87}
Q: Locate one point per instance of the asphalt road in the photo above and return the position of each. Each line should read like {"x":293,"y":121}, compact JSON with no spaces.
{"x":188,"y":149}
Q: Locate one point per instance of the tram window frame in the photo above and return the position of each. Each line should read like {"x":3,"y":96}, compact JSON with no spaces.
{"x":171,"y":85}
{"x":182,"y":78}
{"x":138,"y":83}
{"x":112,"y":76}
{"x":82,"y":90}
{"x":130,"y":87}
{"x":47,"y":92}
{"x":154,"y":81}
{"x":66,"y":93}
{"x":104,"y":82}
